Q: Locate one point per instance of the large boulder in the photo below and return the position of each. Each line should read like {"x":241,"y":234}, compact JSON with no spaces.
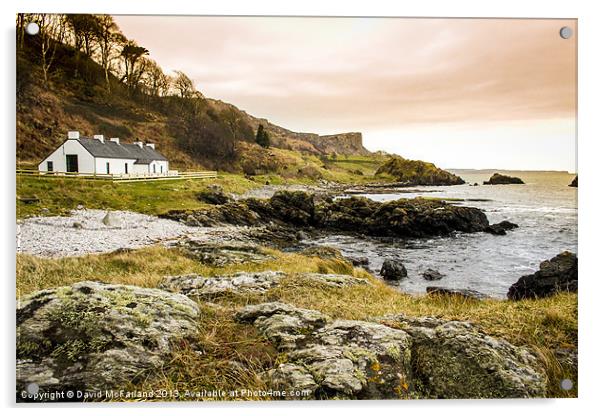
{"x":326,"y":359}
{"x":220,"y":255}
{"x":499,"y":179}
{"x":393,"y":270}
{"x":196,"y":286}
{"x":455,"y":360}
{"x":245,"y":283}
{"x":556,"y":275}
{"x":95,"y":336}
{"x":400,"y":218}
{"x":399,"y":357}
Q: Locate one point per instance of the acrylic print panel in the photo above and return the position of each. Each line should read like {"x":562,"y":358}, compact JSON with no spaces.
{"x":286,"y":208}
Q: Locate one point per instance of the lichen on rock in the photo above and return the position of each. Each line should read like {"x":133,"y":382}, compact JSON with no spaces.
{"x":454,"y":359}
{"x":92,"y":336}
{"x":399,"y":357}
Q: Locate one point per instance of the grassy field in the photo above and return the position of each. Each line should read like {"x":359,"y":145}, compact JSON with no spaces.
{"x":58,"y":196}
{"x":542,"y":325}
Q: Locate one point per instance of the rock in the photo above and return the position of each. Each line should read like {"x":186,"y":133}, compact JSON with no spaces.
{"x":95,"y":336}
{"x":292,"y":210}
{"x":556,"y":275}
{"x":334,"y":280}
{"x":455,"y":360}
{"x":498,"y":179}
{"x":79,"y":207}
{"x":214,"y":194}
{"x":193,"y":285}
{"x":219,"y":255}
{"x":398,"y":358}
{"x":359,"y":261}
{"x":242,"y":283}
{"x":111,"y":220}
{"x":574,"y":182}
{"x":323,"y":252}
{"x":340,"y":359}
{"x":400,"y":218}
{"x":430,"y":274}
{"x":272,"y":236}
{"x":393,"y":270}
{"x":301,"y":235}
{"x":500,"y":228}
{"x":464,"y":293}
{"x":44,"y":210}
{"x":77,"y":225}
{"x":296,"y":208}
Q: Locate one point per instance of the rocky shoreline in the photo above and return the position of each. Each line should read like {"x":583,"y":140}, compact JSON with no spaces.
{"x":401,"y":218}
{"x":96,"y":336}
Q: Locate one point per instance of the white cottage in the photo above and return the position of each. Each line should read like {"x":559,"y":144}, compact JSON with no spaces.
{"x":99,"y":156}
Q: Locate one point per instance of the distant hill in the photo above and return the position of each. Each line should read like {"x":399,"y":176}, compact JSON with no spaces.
{"x":191,"y":131}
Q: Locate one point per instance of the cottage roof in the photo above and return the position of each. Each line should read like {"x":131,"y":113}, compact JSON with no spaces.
{"x":113,"y":150}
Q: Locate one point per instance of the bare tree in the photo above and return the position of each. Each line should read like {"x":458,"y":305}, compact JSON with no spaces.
{"x":155,"y":81}
{"x":183,"y":84}
{"x":108,"y":37}
{"x":52,"y":32}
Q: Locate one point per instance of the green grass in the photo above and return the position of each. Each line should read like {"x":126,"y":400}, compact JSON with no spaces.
{"x":59,"y":196}
{"x":541,"y":325}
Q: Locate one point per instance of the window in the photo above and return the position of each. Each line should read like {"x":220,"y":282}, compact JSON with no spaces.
{"x":154,"y":168}
{"x":126,"y":167}
{"x":161,"y":168}
{"x":108,"y":169}
{"x":49,"y":166}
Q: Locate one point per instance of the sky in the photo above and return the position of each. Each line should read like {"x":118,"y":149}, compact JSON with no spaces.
{"x":462,"y":93}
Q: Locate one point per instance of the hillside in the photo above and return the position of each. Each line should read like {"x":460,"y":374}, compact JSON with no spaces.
{"x":192,"y":131}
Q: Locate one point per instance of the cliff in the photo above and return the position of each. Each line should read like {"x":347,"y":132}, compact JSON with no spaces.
{"x":342,"y":143}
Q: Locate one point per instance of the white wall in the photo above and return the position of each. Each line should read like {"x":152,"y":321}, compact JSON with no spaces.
{"x":85,"y":160}
{"x":156,"y":165}
{"x":116,"y":166}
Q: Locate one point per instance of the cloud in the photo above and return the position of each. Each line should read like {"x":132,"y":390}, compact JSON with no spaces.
{"x":372,"y":74}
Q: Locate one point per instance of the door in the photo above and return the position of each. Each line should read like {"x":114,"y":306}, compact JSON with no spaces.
{"x":72,"y":165}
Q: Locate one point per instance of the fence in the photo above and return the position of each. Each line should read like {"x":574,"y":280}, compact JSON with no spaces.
{"x":131,"y":177}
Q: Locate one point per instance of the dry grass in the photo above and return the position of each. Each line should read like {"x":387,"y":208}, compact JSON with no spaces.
{"x":234,"y":354}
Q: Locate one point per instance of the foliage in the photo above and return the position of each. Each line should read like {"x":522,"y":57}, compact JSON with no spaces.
{"x":262,"y":137}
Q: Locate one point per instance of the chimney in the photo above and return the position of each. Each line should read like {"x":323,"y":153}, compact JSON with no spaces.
{"x":139,"y":144}
{"x":114,"y":140}
{"x":100,"y":137}
{"x":151,"y":145}
{"x":73,"y":135}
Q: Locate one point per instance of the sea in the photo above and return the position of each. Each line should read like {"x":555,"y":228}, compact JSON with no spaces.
{"x":545,"y":208}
